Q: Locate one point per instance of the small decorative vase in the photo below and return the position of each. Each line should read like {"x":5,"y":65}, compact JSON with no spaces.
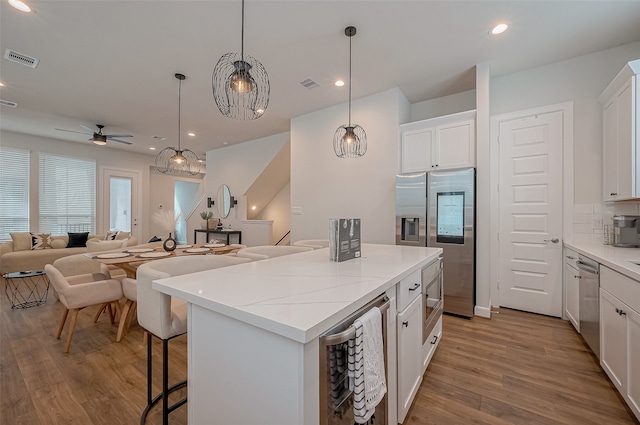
{"x":204,"y":224}
{"x":169,"y":244}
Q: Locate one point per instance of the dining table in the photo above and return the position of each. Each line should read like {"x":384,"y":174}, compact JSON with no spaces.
{"x":129,"y":259}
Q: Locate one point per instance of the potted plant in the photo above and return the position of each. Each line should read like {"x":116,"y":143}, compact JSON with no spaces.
{"x":205,"y":216}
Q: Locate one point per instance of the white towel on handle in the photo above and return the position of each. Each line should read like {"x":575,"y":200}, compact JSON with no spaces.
{"x":366,"y":365}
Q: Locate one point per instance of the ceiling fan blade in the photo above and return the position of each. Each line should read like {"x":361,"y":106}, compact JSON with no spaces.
{"x":72,"y":131}
{"x":118,"y":135}
{"x":111,"y":139}
{"x":90,"y":130}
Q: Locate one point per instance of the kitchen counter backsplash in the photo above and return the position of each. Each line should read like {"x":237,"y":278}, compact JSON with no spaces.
{"x":591,"y":219}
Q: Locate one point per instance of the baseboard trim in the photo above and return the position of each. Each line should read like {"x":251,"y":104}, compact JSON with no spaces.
{"x":482,"y":311}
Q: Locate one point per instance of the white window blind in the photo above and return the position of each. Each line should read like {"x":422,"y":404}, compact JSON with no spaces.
{"x":67,"y":194}
{"x":14,"y":186}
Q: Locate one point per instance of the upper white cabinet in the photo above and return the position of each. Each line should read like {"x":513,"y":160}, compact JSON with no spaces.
{"x":438,"y":143}
{"x":620,"y":128}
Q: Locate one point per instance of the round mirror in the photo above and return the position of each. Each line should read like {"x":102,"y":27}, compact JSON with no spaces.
{"x":223,"y":201}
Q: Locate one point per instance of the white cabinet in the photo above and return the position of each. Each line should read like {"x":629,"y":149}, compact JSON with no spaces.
{"x":620,"y":121}
{"x":571,"y":288}
{"x":430,"y":345}
{"x":620,"y":334}
{"x":409,"y":325}
{"x":438,"y":143}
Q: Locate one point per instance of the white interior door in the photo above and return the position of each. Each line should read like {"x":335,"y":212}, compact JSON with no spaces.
{"x":121,"y":201}
{"x":530,"y":234}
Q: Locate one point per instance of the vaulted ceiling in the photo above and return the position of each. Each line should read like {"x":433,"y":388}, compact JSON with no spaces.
{"x":113,"y":62}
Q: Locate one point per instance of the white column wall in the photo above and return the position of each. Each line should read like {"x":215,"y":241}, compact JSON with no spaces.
{"x":324,"y":186}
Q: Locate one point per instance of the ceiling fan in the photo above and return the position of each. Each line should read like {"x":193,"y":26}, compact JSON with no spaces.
{"x":97,"y":137}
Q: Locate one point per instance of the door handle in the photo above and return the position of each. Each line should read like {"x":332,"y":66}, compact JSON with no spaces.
{"x":554,"y":240}
{"x":416,"y":286}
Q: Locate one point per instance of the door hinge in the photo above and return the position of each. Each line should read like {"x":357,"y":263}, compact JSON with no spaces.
{"x":498,"y":284}
{"x":498,"y":236}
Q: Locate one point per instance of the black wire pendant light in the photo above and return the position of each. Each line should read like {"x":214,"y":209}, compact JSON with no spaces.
{"x":240,"y":84}
{"x":178,"y":161}
{"x":350,"y":141}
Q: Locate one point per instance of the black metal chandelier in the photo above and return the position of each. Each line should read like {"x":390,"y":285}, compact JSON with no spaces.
{"x":178,"y":161}
{"x":350,"y":141}
{"x":240,"y":84}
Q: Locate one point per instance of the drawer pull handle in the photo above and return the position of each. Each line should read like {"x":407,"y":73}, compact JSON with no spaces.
{"x":620,"y":312}
{"x":435,"y":339}
{"x":405,"y":324}
{"x":570,"y":257}
{"x":416,"y":286}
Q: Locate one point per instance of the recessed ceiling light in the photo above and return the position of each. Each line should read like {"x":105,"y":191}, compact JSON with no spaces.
{"x":191,"y":134}
{"x":152,"y":149}
{"x":339,"y":83}
{"x":1,"y":84}
{"x":253,"y":207}
{"x":499,"y":29}
{"x":21,"y":6}
{"x":225,"y":143}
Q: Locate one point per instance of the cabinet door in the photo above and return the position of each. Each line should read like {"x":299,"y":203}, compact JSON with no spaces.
{"x":571,"y":295}
{"x":455,"y":145}
{"x":610,"y":151}
{"x":416,"y":150}
{"x":633,"y":359}
{"x":613,"y":340}
{"x":409,"y":355}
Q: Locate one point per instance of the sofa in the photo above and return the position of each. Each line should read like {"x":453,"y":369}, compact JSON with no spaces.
{"x":19,"y":254}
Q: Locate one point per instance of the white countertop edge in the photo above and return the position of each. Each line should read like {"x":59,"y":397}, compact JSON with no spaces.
{"x":612,"y":257}
{"x":285,"y":330}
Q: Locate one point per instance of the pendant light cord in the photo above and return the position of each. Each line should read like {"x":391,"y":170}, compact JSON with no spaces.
{"x":179,"y":111}
{"x":350,"y":37}
{"x":242,"y":34}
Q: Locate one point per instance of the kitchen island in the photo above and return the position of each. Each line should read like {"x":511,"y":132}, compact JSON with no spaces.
{"x":253,"y":329}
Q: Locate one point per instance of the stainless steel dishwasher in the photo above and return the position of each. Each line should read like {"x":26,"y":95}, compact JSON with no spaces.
{"x":589,"y":289}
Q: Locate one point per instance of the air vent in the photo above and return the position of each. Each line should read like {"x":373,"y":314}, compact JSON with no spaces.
{"x":14,"y":56}
{"x":8,"y":103}
{"x":158,"y":137}
{"x":309,"y":84}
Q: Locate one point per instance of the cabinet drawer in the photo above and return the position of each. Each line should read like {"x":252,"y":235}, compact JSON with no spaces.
{"x":408,"y":289}
{"x":430,"y":345}
{"x":622,"y":287}
{"x":570,"y":257}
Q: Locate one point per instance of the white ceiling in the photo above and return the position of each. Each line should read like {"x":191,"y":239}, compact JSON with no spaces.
{"x":113,"y":62}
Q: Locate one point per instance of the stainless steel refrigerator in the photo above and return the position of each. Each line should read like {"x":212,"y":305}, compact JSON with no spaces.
{"x":437,"y":209}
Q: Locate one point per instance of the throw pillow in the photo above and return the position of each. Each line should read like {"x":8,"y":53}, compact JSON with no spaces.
{"x":58,"y":243}
{"x":78,"y":240}
{"x":123,"y":235}
{"x":111,"y":236}
{"x":40,"y":240}
{"x":98,"y":246}
{"x":21,"y":241}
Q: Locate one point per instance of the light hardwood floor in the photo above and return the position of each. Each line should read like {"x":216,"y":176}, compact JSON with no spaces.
{"x":516,"y":368}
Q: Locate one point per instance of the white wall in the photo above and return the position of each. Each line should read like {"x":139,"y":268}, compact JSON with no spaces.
{"x":104,"y":157}
{"x":278,"y":211}
{"x":447,"y":105}
{"x":238,"y":166}
{"x":580,"y":80}
{"x":324,"y":186}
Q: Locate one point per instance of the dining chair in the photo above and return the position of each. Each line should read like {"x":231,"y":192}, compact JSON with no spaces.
{"x":130,"y":292}
{"x":313,"y":243}
{"x":165,"y":317}
{"x":256,"y":253}
{"x":80,"y":291}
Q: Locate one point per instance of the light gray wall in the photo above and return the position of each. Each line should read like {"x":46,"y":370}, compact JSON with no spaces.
{"x":238,"y":166}
{"x":324,"y":186}
{"x":447,"y":105}
{"x":104,"y":157}
{"x":580,"y":80}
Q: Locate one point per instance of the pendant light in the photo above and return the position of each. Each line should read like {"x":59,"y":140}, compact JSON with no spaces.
{"x":178,"y":161}
{"x":350,"y":141}
{"x":240,"y":84}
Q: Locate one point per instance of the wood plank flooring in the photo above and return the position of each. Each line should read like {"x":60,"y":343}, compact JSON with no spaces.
{"x":516,"y":368}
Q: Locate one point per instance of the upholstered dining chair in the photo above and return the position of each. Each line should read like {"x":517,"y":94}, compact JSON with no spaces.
{"x":165,"y":317}
{"x":256,"y":253}
{"x":130,"y":292}
{"x":80,"y":291}
{"x":313,"y":243}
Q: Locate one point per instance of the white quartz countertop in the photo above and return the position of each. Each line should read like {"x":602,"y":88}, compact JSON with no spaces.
{"x":302,"y":295}
{"x":619,"y":259}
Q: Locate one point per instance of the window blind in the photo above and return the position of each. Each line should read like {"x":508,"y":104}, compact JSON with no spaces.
{"x":67,"y":194}
{"x":14,"y":186}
